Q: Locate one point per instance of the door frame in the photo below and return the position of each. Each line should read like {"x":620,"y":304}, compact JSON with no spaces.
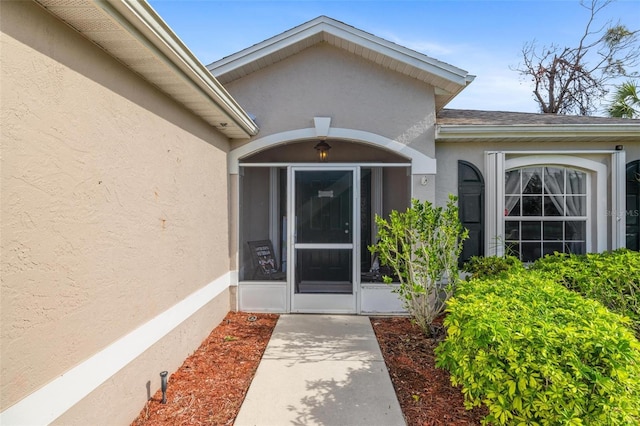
{"x":323,"y":303}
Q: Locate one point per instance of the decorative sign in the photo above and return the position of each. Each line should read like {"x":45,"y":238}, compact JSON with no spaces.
{"x":263,"y":255}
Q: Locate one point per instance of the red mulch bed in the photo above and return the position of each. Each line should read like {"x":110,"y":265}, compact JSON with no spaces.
{"x":424,"y":391}
{"x":212,"y":383}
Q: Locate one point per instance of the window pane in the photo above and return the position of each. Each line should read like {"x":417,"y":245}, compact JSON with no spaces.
{"x":576,"y":182}
{"x":547,"y":195}
{"x":532,"y":180}
{"x":575,"y":230}
{"x":553,"y":231}
{"x":553,"y":180}
{"x":531,"y":230}
{"x":575,"y":247}
{"x":511,"y":230}
{"x":512,"y":249}
{"x":512,"y":182}
{"x":324,"y":271}
{"x":553,"y":205}
{"x":530,"y":252}
{"x":512,"y":206}
{"x":550,"y":248}
{"x":532,"y":206}
{"x":576,"y":205}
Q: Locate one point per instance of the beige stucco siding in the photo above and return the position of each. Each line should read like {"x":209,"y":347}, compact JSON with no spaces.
{"x":114,"y":203}
{"x":324,"y":81}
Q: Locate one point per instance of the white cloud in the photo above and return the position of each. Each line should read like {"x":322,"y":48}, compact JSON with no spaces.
{"x":496,"y":89}
{"x":428,"y":48}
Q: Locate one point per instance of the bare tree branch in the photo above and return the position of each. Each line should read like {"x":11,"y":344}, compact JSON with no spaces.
{"x":571,"y":80}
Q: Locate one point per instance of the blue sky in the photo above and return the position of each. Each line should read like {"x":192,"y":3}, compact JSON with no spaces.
{"x":483,"y":37}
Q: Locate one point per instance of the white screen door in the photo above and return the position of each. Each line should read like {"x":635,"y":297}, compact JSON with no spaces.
{"x":325,"y":236}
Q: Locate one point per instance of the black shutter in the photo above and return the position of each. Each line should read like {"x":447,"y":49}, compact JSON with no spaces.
{"x":471,"y":209}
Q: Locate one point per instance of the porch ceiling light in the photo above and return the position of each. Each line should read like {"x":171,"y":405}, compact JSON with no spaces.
{"x":323,"y":150}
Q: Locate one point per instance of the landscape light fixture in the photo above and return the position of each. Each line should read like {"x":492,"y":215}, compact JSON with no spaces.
{"x":163,"y":379}
{"x":323,"y":150}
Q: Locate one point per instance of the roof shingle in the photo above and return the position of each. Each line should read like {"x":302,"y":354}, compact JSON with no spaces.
{"x":503,"y":118}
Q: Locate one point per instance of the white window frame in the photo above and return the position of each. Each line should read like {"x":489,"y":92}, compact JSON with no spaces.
{"x":599,"y":210}
{"x":586,"y":218}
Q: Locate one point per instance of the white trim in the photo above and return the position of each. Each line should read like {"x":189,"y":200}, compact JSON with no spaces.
{"x":376,"y":199}
{"x":172,"y":68}
{"x":323,"y":26}
{"x":450,"y":132}
{"x":322,"y":125}
{"x":421,"y":164}
{"x":274,"y":207}
{"x":326,"y":246}
{"x":600,"y":206}
{"x":363,"y":165}
{"x":325,"y":303}
{"x":495,"y":161}
{"x":618,"y":200}
{"x":52,"y":400}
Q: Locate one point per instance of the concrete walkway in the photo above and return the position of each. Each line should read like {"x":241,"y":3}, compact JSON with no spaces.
{"x":321,"y":370}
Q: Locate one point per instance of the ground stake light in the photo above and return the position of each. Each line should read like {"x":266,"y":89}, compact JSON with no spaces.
{"x":163,"y":379}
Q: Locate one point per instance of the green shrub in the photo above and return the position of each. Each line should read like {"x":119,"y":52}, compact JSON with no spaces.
{"x":536,"y":353}
{"x":421,"y":246}
{"x":491,"y":266}
{"x":612,"y":278}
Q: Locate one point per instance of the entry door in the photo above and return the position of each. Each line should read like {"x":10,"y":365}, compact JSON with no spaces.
{"x":324,"y":236}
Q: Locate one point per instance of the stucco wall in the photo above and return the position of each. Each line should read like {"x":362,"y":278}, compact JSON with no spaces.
{"x":114,"y":205}
{"x":324,"y":81}
{"x":448,"y":154}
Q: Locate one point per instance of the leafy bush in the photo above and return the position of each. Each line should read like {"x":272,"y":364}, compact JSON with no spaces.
{"x":612,"y":278}
{"x":491,"y":266}
{"x":422,"y":246}
{"x":536,"y":353}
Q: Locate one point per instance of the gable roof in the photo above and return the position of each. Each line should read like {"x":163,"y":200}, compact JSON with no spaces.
{"x":476,"y":125}
{"x":447,"y":80}
{"x":133,"y":33}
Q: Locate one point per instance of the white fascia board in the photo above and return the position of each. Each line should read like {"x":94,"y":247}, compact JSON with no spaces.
{"x":256,"y":52}
{"x":399,"y":53}
{"x":453,"y":132}
{"x":348,"y":33}
{"x":158,"y":34}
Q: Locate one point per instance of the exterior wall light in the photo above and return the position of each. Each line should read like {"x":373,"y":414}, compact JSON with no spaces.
{"x":323,"y":150}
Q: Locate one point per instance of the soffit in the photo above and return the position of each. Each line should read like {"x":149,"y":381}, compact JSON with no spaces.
{"x":447,"y":80}
{"x":134,"y":34}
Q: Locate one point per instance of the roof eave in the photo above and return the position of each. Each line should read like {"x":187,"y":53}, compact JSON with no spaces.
{"x":447,"y":132}
{"x":142,"y":23}
{"x":448,"y":79}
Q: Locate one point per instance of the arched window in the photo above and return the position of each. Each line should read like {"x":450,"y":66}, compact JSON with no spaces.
{"x":633,"y":205}
{"x":545,"y":211}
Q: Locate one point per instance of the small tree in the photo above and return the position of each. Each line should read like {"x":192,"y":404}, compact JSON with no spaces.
{"x":572,"y":80}
{"x":422,"y":246}
{"x":625,"y":102}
